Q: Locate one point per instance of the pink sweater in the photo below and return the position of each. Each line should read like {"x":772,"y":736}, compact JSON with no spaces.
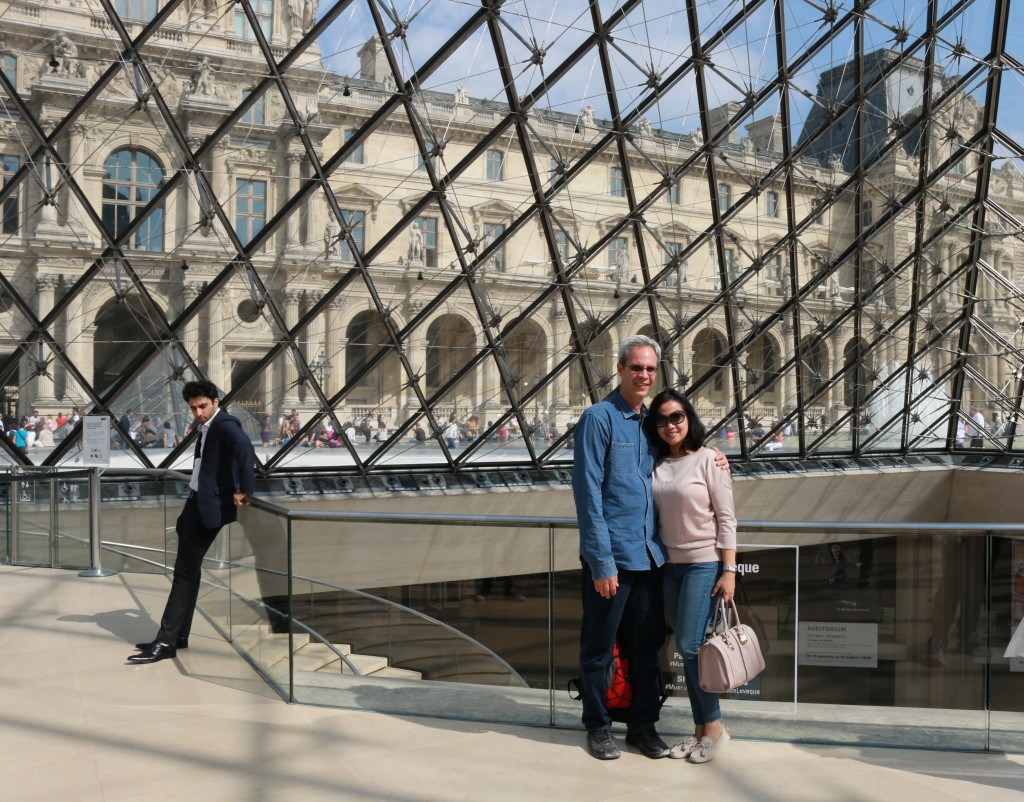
{"x":693,"y":500}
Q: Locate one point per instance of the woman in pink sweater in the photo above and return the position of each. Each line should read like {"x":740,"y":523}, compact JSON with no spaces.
{"x":697,"y":524}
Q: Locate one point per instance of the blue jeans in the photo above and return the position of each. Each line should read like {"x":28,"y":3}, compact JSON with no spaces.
{"x":636,"y":614}
{"x":689,"y":604}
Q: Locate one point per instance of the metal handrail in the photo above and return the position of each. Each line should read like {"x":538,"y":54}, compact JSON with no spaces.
{"x":416,"y":613}
{"x":528,"y":521}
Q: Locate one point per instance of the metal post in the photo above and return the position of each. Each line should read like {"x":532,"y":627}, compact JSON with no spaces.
{"x":95,"y":497}
{"x":12,"y":531}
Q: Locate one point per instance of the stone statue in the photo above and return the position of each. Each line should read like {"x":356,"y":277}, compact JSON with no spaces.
{"x":621,"y":264}
{"x":203,"y":8}
{"x":645,"y":127}
{"x":415,"y":244}
{"x":300,"y":17}
{"x":389,"y":83}
{"x":312,"y":113}
{"x":309,"y":12}
{"x":332,"y":233}
{"x":696,"y":137}
{"x":202,"y":79}
{"x":587,"y":116}
{"x":835,"y":161}
{"x":65,"y":53}
{"x":461,"y":95}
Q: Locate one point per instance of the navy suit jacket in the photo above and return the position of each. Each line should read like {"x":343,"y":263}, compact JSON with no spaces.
{"x":228,"y":467}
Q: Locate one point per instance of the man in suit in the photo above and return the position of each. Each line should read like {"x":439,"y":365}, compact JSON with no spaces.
{"x":222,"y":481}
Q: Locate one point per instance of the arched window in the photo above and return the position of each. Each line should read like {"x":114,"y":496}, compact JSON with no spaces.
{"x":130,"y":180}
{"x":958,"y":150}
{"x":9,"y":67}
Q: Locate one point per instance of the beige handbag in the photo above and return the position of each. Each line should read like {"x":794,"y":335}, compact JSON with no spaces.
{"x":729,"y":658}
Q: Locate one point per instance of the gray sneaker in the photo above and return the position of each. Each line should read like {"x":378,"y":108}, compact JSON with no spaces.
{"x":601,"y":745}
{"x":706,"y":750}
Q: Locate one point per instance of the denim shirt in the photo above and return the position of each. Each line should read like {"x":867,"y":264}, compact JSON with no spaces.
{"x":611,"y":482}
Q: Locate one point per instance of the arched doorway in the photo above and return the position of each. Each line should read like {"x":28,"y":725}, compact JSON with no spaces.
{"x":814,"y":356}
{"x":451,"y":344}
{"x":122,"y":331}
{"x":708,"y":348}
{"x":526,"y":350}
{"x":602,"y":357}
{"x":762,"y":369}
{"x":855,"y":375}
{"x":366,"y":336}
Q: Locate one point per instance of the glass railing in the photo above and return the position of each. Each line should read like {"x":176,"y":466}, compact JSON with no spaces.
{"x":873,"y":633}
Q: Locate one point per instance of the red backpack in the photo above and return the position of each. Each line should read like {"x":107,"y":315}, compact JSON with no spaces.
{"x":619,"y":698}
{"x":620,"y":691}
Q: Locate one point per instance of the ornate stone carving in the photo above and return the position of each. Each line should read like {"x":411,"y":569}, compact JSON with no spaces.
{"x":203,"y":82}
{"x":64,"y":61}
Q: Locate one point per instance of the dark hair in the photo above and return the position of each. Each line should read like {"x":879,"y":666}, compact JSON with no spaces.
{"x":199,"y":389}
{"x":696,"y":433}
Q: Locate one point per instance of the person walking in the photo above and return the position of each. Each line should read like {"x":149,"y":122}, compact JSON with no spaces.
{"x":451,"y":433}
{"x":223,"y":476}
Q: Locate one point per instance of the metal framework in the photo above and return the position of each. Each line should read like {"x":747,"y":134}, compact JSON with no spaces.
{"x":880,"y":332}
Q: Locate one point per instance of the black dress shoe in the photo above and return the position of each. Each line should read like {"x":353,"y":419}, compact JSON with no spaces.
{"x":145,"y":647}
{"x":649,"y":744}
{"x":601,"y":745}
{"x":158,"y":651}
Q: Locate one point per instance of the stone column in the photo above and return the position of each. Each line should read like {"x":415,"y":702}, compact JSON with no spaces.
{"x":291,"y":300}
{"x":75,"y":216}
{"x":291,"y":231}
{"x":74,"y":348}
{"x":556,"y":352}
{"x":416,"y":352}
{"x":44,"y":397}
{"x":190,"y":335}
{"x":787,"y":382}
{"x":316,"y":342}
{"x":190,"y":214}
{"x":215,"y":368}
{"x":335,"y":346}
{"x":221,"y":180}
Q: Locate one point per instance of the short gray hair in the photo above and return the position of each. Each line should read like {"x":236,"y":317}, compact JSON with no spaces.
{"x":637,"y":341}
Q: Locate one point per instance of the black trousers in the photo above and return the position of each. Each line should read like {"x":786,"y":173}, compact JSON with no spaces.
{"x":636,"y":614}
{"x":194,"y":540}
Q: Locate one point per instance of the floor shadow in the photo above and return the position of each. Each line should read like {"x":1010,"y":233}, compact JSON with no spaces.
{"x":131,"y":625}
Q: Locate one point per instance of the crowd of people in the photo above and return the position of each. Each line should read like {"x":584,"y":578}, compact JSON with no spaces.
{"x":370,"y":429}
{"x":38,"y":431}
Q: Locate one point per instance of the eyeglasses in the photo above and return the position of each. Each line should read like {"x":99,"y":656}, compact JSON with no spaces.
{"x":652,"y":369}
{"x":661,"y":421}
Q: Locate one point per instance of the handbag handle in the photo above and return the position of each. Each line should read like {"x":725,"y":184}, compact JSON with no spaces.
{"x":722,"y":614}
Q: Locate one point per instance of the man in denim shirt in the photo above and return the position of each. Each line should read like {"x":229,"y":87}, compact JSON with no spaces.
{"x":622,"y":591}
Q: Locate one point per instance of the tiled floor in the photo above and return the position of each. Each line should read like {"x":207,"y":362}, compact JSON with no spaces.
{"x":77,"y":723}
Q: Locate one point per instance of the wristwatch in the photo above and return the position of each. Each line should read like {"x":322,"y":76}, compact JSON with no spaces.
{"x":729,"y":568}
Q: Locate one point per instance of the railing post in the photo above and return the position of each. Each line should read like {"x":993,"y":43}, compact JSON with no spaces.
{"x":13,"y":501}
{"x":95,"y":497}
{"x":552,"y":700}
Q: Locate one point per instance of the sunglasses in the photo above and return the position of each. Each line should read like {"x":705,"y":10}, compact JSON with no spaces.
{"x":661,"y":421}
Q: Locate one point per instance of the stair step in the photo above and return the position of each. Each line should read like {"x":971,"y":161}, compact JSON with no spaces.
{"x":248,"y":636}
{"x":314,"y":656}
{"x":396,"y":673}
{"x":365,"y":664}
